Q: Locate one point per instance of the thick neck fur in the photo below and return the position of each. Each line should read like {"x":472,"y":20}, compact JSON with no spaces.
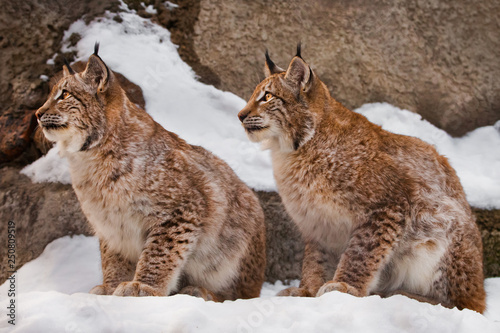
{"x":325,"y":112}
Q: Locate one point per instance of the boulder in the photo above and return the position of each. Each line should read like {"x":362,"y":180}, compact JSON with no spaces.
{"x":41,"y":213}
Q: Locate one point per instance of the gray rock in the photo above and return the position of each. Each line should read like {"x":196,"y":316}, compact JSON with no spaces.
{"x":41,"y":212}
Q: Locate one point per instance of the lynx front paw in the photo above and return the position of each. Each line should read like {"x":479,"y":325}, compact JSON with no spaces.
{"x":294,"y":291}
{"x":337,"y":286}
{"x":133,"y":288}
{"x":102,"y":289}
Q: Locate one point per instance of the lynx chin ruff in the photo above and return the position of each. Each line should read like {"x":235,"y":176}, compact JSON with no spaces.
{"x":170,"y":217}
{"x":381,"y":213}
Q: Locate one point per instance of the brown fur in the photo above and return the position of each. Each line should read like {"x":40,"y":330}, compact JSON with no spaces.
{"x":380,"y":212}
{"x":170,"y":217}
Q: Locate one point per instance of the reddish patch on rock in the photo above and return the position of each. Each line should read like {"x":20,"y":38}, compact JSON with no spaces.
{"x":15,"y":133}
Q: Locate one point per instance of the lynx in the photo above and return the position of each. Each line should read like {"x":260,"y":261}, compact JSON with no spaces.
{"x":380,"y":213}
{"x":170,"y":217}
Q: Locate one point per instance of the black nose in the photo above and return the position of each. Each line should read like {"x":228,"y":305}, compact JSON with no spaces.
{"x":243,"y":114}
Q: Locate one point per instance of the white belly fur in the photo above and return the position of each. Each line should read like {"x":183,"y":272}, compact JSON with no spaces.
{"x":115,"y":222}
{"x":328,"y":224}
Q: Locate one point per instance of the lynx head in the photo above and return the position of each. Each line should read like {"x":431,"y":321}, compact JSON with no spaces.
{"x":74,"y":113}
{"x":285,"y":107}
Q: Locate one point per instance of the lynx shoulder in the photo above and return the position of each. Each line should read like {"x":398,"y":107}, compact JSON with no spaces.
{"x":170,"y":217}
{"x":381,"y":213}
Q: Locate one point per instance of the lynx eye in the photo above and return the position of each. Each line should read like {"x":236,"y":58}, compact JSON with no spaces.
{"x":64,"y":95}
{"x":268,"y":97}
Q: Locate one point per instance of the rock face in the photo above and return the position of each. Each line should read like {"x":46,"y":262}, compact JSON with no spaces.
{"x":41,"y":213}
{"x":488,"y":221}
{"x":285,"y":248}
{"x":436,"y":58}
{"x":16,"y":134}
{"x":30,"y":33}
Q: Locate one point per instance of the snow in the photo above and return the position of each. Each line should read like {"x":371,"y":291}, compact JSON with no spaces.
{"x":149,"y":9}
{"x":49,"y":168}
{"x":52,"y":289}
{"x":52,"y":61}
{"x":170,"y":6}
{"x":53,"y":296}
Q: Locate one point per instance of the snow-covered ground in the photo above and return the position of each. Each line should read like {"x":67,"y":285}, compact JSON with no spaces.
{"x":53,"y":298}
{"x":52,"y":290}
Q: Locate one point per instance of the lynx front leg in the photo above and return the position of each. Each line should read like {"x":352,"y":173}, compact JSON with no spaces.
{"x":318,"y":263}
{"x":368,"y":251}
{"x":115,"y":269}
{"x":160,"y":264}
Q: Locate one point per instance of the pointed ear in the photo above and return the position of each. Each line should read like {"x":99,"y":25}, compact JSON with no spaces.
{"x":97,"y":72}
{"x":67,"y":70}
{"x":299,"y":73}
{"x":270,"y":68}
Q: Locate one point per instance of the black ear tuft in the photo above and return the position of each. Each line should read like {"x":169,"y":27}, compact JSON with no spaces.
{"x":66,"y":63}
{"x":271,"y":68}
{"x":299,"y":49}
{"x":269,"y":62}
{"x":96,"y":48}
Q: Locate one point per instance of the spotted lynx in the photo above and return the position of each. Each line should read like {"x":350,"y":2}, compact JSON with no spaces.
{"x":170,"y":217}
{"x":381,"y":213}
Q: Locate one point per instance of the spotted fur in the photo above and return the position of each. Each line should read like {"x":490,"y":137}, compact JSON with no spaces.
{"x":381,"y":213}
{"x":170,"y":217}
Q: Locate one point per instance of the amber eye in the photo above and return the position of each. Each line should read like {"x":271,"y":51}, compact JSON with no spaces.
{"x":64,"y":94}
{"x":268,"y":96}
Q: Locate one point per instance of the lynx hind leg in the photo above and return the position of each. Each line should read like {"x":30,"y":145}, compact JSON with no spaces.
{"x":318,"y":264}
{"x":248,"y":281}
{"x":465,"y":272}
{"x":115,"y":270}
{"x":253,"y":265}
